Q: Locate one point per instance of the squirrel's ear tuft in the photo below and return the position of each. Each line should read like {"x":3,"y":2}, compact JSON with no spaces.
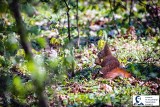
{"x":106,"y":47}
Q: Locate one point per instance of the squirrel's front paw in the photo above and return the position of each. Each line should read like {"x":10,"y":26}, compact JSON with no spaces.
{"x":97,"y":61}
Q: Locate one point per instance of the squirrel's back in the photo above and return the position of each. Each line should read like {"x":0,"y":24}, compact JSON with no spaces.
{"x":110,"y":60}
{"x":108,"y":64}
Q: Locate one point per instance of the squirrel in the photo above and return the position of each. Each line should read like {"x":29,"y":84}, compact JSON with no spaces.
{"x":110,"y":65}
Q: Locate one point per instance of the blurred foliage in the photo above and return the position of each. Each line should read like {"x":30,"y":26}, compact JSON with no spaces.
{"x":65,"y":72}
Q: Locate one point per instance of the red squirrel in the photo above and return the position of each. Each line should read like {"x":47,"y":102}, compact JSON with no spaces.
{"x":110,"y":65}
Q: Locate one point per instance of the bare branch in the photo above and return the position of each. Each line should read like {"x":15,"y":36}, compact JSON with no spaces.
{"x":14,"y":7}
{"x":77,"y":18}
{"x":68,"y":18}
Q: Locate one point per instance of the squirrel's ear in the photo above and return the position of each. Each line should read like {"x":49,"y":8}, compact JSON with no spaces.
{"x":106,"y":47}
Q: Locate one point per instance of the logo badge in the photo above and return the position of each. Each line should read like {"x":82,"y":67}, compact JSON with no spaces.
{"x":146,"y":100}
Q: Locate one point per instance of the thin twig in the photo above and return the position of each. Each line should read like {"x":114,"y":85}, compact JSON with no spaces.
{"x":130,"y":13}
{"x":68,"y":18}
{"x":77,"y":18}
{"x":112,"y":10}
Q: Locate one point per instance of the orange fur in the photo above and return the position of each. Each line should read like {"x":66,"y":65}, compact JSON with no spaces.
{"x":110,"y":65}
{"x":117,"y":72}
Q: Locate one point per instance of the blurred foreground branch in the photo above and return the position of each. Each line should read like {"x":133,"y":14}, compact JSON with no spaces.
{"x":14,"y":7}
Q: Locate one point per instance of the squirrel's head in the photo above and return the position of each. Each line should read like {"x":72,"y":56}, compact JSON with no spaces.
{"x":105,"y":52}
{"x":101,"y":54}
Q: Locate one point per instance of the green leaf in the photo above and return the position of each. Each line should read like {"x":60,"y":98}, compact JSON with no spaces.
{"x":55,"y":41}
{"x":41,"y":42}
{"x":123,"y":31}
{"x":101,"y":44}
{"x":18,"y":87}
{"x":29,"y":9}
{"x":3,"y":6}
{"x":21,"y":52}
{"x":34,"y":29}
{"x":70,"y":59}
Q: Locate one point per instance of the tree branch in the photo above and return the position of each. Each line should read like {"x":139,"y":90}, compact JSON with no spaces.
{"x":77,"y":18}
{"x":68,"y":18}
{"x":14,"y":7}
